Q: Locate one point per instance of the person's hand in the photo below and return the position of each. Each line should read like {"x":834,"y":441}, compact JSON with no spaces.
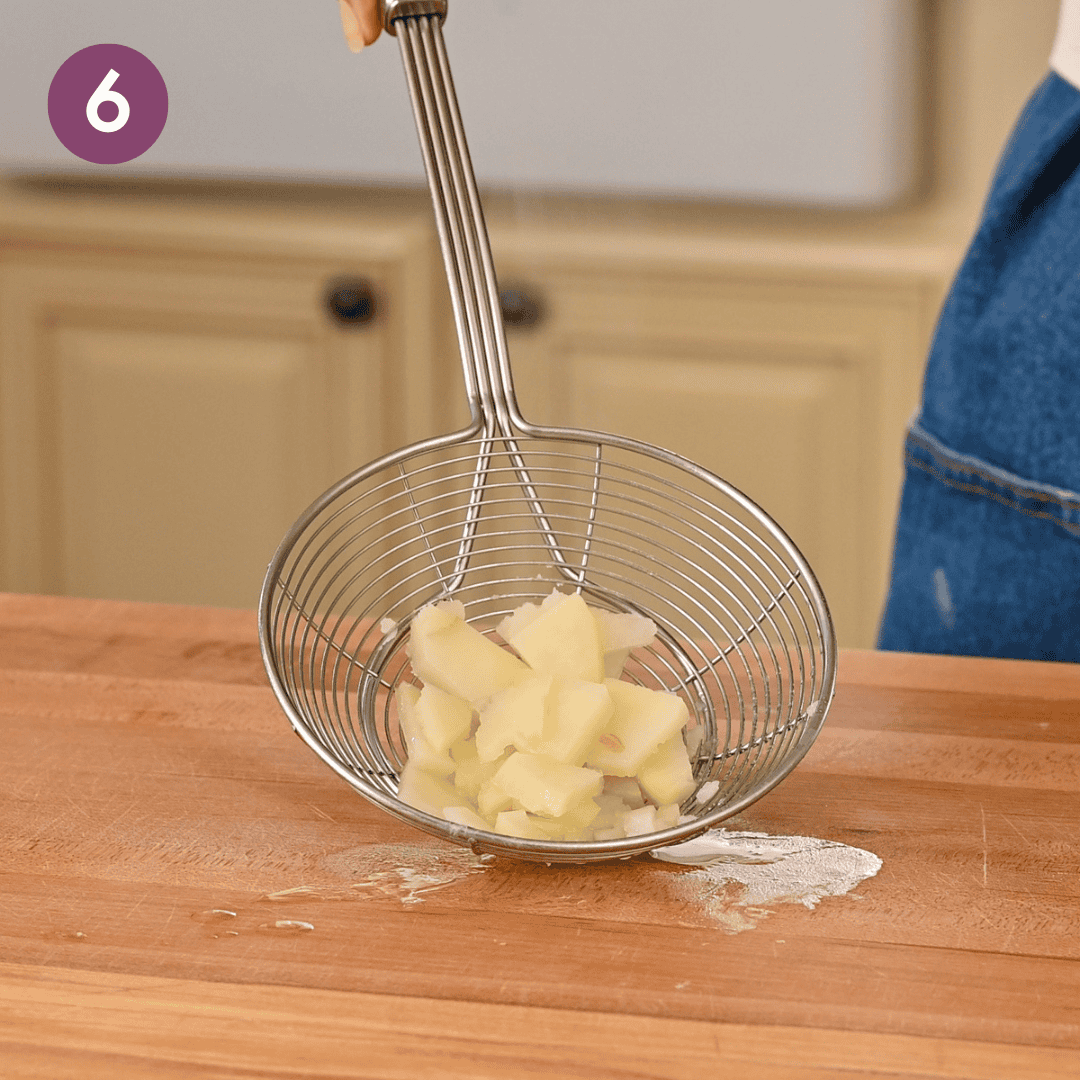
{"x":360,"y":21}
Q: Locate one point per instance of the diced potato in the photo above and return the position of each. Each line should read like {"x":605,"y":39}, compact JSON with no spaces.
{"x":576,"y":714}
{"x":518,"y":619}
{"x":641,"y":821}
{"x":559,"y":752}
{"x":666,"y":776}
{"x":612,"y":809}
{"x":619,"y":633}
{"x":421,"y":753}
{"x":614,"y":832}
{"x":513,"y":717}
{"x":469,"y":771}
{"x":426,"y":792}
{"x":546,"y":786}
{"x":626,"y":788}
{"x":462,"y":815}
{"x":443,"y":718}
{"x":491,"y":800}
{"x":449,"y":653}
{"x":642,"y":720}
{"x":518,"y":823}
{"x":408,"y":697}
{"x":560,"y":638}
{"x":695,"y":736}
{"x":667,"y":817}
{"x":572,"y":824}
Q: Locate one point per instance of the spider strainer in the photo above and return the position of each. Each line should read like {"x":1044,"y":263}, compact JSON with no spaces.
{"x":503,"y":511}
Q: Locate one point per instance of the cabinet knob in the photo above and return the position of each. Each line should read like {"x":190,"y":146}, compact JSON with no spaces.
{"x":520,"y":306}
{"x":351,"y":302}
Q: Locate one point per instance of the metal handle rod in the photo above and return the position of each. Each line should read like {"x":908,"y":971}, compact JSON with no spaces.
{"x":497,"y":355}
{"x":470,"y":271}
{"x":449,"y":220}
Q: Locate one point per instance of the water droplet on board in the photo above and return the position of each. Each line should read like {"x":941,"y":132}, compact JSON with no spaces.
{"x":287,"y":926}
{"x":213,"y":915}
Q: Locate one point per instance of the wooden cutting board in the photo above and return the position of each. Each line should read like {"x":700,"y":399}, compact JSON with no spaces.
{"x":185,"y":890}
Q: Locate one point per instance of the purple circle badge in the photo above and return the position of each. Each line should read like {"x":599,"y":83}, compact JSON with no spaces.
{"x":108,"y":104}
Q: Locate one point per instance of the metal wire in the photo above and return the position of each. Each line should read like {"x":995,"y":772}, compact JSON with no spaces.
{"x":501,"y":512}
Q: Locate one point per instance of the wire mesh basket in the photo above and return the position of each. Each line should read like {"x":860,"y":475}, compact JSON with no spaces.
{"x":504,"y":511}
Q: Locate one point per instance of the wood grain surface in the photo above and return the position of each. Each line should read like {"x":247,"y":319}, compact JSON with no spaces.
{"x":185,"y":890}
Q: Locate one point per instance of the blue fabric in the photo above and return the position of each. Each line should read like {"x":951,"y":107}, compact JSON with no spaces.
{"x":987,"y":552}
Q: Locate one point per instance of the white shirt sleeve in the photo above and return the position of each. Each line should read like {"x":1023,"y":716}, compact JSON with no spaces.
{"x":1065,"y":55}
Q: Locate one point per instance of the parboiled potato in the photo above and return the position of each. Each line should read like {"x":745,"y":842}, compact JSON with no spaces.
{"x":491,"y":800}
{"x":577,"y":712}
{"x":446,"y":651}
{"x":667,"y":776}
{"x":619,"y":633}
{"x":463,"y":815}
{"x":425,"y":791}
{"x":514,"y":717}
{"x":520,"y":824}
{"x":422,"y":754}
{"x":626,"y":788}
{"x":667,"y":816}
{"x":642,"y":720}
{"x":649,"y":818}
{"x":612,"y":809}
{"x":576,"y":820}
{"x":470,"y":773}
{"x":641,"y":821}
{"x":544,"y":785}
{"x":573,"y":825}
{"x":534,"y":765}
{"x":560,"y":718}
{"x":561,"y":637}
{"x":443,"y":718}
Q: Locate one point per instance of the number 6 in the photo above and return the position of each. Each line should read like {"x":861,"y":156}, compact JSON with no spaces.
{"x":105,"y":93}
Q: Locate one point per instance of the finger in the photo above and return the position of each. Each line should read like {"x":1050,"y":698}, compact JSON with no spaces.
{"x":360,"y":22}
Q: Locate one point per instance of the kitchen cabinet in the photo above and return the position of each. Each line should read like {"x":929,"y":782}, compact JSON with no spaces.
{"x":174,"y":391}
{"x":788,"y":369}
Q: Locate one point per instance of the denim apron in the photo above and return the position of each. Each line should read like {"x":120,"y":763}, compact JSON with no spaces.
{"x":987,"y":552}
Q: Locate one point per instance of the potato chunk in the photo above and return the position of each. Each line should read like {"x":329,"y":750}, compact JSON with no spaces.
{"x":425,"y":791}
{"x":463,"y":815}
{"x":443,"y":718}
{"x":642,"y":720}
{"x":421,"y":753}
{"x":666,"y":776}
{"x":470,"y":773}
{"x":491,"y":800}
{"x":544,"y":785}
{"x":560,"y":637}
{"x":514,"y":717}
{"x":619,"y":633}
{"x":557,"y":750}
{"x":577,"y":712}
{"x":520,"y":824}
{"x":447,"y":652}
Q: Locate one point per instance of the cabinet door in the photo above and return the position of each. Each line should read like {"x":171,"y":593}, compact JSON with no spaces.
{"x":794,"y":387}
{"x":165,"y":418}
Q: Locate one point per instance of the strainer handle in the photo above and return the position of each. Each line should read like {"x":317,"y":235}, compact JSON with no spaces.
{"x":389,"y":10}
{"x":459,"y":217}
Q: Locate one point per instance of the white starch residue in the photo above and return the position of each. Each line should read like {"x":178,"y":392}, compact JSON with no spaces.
{"x":738,"y":875}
